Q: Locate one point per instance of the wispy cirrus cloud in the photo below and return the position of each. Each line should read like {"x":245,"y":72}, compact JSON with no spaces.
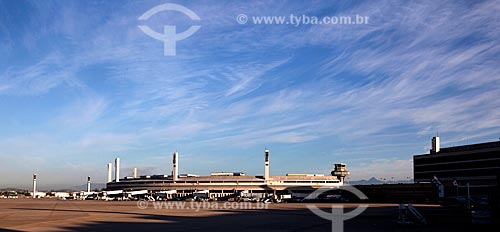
{"x":39,"y":78}
{"x":83,"y":112}
{"x":105,"y":87}
{"x":246,"y":78}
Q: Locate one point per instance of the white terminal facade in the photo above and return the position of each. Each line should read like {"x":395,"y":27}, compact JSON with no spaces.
{"x":222,"y":183}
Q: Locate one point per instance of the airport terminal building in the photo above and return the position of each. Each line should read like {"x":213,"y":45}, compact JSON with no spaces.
{"x":475,"y":165}
{"x":226,"y":183}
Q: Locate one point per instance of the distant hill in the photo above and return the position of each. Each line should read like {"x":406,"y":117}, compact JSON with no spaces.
{"x":99,"y":186}
{"x":12,"y":189}
{"x":374,"y":180}
{"x":84,"y":187}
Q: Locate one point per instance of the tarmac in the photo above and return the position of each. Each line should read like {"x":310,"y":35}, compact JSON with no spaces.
{"x":73,"y":215}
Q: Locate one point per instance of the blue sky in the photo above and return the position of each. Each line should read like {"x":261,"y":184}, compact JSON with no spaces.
{"x":80,"y":84}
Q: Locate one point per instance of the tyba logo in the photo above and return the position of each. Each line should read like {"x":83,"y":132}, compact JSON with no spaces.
{"x":169,"y":36}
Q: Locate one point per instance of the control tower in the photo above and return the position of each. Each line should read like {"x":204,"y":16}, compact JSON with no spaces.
{"x":340,"y":171}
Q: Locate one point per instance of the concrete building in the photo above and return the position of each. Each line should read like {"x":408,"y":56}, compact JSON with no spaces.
{"x":221,"y":183}
{"x":110,"y":171}
{"x":175,"y":170}
{"x":477,"y":165}
{"x":117,"y":169}
{"x":34,"y":186}
{"x":88,"y":184}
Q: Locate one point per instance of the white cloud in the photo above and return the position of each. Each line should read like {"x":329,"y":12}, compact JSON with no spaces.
{"x":39,"y":78}
{"x":247,"y":75}
{"x":412,"y":71}
{"x":83,"y":112}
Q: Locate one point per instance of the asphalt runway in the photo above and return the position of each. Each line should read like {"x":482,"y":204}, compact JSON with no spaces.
{"x":70,"y":215}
